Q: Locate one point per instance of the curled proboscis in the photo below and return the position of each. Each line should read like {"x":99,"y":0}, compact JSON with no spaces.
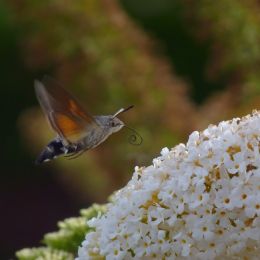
{"x":134,"y":138}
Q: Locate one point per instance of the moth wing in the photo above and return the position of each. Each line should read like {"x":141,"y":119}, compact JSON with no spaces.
{"x":70,"y":128}
{"x":65,"y":115}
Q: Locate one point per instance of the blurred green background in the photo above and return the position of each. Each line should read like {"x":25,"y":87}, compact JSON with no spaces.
{"x":182,"y":63}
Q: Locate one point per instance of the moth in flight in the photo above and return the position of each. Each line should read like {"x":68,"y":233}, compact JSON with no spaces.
{"x":77,"y":131}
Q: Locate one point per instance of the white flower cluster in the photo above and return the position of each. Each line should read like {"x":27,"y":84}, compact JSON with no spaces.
{"x":199,"y":201}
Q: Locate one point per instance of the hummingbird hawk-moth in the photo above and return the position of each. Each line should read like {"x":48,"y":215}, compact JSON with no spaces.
{"x":77,"y":131}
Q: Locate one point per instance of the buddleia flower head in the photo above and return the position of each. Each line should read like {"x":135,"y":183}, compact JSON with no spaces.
{"x":196,"y":201}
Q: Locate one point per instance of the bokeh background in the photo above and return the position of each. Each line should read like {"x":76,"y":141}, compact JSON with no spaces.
{"x":183,"y":63}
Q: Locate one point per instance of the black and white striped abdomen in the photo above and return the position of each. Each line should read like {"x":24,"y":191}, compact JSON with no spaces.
{"x":54,"y":149}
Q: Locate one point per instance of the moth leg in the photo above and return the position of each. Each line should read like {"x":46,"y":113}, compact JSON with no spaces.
{"x":70,"y":150}
{"x":70,"y":155}
{"x":75,"y":155}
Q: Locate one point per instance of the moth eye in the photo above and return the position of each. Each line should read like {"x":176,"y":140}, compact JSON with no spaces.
{"x":113,"y":124}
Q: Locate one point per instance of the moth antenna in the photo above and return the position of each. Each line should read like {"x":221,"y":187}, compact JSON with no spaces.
{"x":135,"y":138}
{"x":122,"y":110}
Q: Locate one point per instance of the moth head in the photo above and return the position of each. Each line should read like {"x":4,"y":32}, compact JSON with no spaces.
{"x":115,"y":124}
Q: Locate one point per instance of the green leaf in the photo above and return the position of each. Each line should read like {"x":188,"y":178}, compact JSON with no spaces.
{"x":64,"y":243}
{"x":43,"y":253}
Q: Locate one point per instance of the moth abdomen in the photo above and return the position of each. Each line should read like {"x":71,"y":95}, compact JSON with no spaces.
{"x":52,"y":150}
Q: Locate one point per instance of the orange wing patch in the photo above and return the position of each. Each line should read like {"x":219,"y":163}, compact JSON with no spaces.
{"x":75,"y":109}
{"x":68,"y":128}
